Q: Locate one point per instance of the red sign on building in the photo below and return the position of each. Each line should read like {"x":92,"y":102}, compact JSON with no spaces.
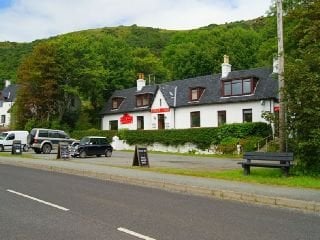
{"x":276,"y":108}
{"x":126,"y":119}
{"x":160,"y":110}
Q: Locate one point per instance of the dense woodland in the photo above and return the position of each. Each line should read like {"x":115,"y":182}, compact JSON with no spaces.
{"x":90,"y":65}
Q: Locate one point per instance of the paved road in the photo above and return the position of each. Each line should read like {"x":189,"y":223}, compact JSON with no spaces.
{"x":107,"y":210}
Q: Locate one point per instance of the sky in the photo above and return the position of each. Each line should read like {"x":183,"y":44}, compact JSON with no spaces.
{"x":29,"y":20}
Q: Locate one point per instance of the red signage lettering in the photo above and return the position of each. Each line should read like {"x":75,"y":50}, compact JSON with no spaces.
{"x":126,"y":119}
{"x":160,"y":110}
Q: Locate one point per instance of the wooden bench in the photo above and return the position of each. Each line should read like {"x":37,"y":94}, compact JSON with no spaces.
{"x":281,"y":160}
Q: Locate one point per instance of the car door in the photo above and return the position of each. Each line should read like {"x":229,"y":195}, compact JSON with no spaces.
{"x":92,"y":148}
{"x":9,"y":141}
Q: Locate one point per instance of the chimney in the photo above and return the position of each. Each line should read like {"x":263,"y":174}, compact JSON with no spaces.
{"x":140,"y":82}
{"x":225,"y":67}
{"x":275,"y":65}
{"x":7,"y":83}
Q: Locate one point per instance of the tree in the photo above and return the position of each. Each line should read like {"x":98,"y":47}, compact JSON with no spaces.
{"x":38,"y":87}
{"x":302,"y":89}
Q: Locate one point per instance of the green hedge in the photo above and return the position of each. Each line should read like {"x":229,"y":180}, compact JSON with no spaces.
{"x":93,"y":132}
{"x":201,"y":137}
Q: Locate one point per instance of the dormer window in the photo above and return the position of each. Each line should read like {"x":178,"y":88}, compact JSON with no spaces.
{"x":143,"y":100}
{"x":196,"y":93}
{"x":238,"y":87}
{"x":116,"y":102}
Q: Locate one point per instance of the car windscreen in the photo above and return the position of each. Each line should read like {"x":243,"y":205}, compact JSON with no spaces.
{"x":84,"y":141}
{"x":3,"y":135}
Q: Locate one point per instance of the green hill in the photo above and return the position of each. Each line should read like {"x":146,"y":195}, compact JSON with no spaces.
{"x":167,"y":54}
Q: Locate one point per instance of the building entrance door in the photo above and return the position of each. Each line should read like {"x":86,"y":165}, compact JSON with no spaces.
{"x":161,"y":121}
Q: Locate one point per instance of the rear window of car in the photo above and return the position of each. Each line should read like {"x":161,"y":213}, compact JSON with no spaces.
{"x":33,"y":132}
{"x":103,"y":141}
{"x":43,"y":133}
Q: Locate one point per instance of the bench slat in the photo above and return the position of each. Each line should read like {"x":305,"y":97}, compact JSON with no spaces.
{"x":254,"y":164}
{"x":268,"y":158}
{"x":271,"y":156}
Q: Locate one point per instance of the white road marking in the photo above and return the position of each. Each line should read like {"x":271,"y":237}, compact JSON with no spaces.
{"x":38,"y":200}
{"x":132,"y":233}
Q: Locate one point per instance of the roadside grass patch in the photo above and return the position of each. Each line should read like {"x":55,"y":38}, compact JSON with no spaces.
{"x":264,"y":176}
{"x":8,"y":154}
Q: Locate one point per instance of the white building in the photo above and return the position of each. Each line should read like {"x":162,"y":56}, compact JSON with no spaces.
{"x":7,"y":98}
{"x":204,"y":101}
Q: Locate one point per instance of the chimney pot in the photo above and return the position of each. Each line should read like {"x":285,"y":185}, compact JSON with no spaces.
{"x":140,"y":82}
{"x":225,"y":67}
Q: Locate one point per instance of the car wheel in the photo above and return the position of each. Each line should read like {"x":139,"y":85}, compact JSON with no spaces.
{"x":1,"y":148}
{"x":108,"y":153}
{"x":25,"y":148}
{"x":37,"y":150}
{"x":46,"y":148}
{"x":83,"y":154}
{"x":98,"y":155}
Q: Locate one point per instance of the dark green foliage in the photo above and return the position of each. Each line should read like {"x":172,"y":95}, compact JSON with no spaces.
{"x":303,"y":83}
{"x":202,"y":137}
{"x":78,"y":134}
{"x":11,"y":55}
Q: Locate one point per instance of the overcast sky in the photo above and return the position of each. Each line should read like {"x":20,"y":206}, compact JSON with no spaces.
{"x":28,"y":20}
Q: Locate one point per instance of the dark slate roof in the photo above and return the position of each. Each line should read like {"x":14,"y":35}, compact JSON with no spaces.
{"x":9,"y":93}
{"x":267,"y":88}
{"x":129,"y":102}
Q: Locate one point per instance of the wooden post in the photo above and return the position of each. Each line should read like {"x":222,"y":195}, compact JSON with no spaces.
{"x":282,"y":110}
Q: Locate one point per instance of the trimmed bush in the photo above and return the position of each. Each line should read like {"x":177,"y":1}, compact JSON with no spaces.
{"x":78,"y":134}
{"x":203,"y":138}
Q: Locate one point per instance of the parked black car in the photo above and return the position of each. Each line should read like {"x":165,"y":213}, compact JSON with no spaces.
{"x":93,"y":145}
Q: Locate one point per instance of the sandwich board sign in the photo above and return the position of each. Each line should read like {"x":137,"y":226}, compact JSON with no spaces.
{"x":63,"y":151}
{"x":140,"y":157}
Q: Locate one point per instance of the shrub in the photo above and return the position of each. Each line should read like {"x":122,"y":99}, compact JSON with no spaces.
{"x":93,"y":132}
{"x":203,"y":138}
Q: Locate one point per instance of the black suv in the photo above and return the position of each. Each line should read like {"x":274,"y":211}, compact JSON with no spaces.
{"x":44,"y":140}
{"x":93,"y":145}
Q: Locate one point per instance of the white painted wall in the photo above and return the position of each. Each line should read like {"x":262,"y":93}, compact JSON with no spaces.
{"x":132,"y":126}
{"x":209,"y":113}
{"x":4,"y":108}
{"x":160,"y":103}
{"x":179,"y":118}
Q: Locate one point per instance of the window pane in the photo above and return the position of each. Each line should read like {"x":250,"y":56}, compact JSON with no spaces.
{"x":194,"y":94}
{"x":247,"y":115}
{"x":139,"y":101}
{"x":195,"y":119}
{"x":236,"y":87}
{"x":246,"y":86}
{"x":114,"y":103}
{"x":140,"y":122}
{"x":43,"y":133}
{"x":227,"y":89}
{"x":145,"y":100}
{"x":113,"y":125}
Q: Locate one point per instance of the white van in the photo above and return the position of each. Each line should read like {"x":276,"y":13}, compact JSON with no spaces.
{"x":6,"y":139}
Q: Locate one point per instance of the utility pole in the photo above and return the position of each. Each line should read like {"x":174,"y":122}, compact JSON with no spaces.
{"x":282,"y":110}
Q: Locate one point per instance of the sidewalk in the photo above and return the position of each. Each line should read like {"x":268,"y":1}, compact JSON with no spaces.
{"x":295,"y":198}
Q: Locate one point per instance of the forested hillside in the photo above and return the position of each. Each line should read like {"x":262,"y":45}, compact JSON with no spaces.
{"x":165,"y":54}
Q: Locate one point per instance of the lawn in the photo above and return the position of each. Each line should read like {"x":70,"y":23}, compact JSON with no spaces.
{"x":257,"y":175}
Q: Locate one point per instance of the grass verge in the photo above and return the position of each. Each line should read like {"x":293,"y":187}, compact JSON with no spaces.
{"x":258,"y":175}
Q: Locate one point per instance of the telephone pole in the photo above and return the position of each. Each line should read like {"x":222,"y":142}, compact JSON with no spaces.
{"x":282,"y":110}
